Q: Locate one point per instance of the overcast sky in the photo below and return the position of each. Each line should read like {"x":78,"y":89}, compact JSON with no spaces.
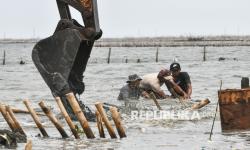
{"x":132,"y":18}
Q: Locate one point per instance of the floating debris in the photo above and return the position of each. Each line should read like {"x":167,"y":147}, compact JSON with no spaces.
{"x":22,"y":62}
{"x":221,"y":58}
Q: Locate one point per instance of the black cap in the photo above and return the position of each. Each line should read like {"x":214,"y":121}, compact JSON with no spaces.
{"x":175,"y":66}
{"x":133,"y":77}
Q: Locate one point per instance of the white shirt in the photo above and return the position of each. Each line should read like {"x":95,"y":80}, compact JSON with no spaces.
{"x":151,"y":82}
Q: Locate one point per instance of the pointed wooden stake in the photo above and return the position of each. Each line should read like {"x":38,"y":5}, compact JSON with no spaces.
{"x":67,"y":117}
{"x":99,"y":124}
{"x":201,"y":104}
{"x":13,"y":117}
{"x":35,"y":118}
{"x":118,"y":123}
{"x":8,"y":118}
{"x":53,"y":119}
{"x":80,"y":116}
{"x":110,"y":129}
{"x":28,"y":145}
{"x":152,"y":96}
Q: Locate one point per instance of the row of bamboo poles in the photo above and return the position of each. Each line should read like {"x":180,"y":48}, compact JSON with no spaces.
{"x":101,"y":118}
{"x":156,"y":56}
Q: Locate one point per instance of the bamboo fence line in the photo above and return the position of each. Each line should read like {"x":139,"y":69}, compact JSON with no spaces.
{"x":101,"y":117}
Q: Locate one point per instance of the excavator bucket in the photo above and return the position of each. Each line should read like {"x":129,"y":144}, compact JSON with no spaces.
{"x":61,"y":58}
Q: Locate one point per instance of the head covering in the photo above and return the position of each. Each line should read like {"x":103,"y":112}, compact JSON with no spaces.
{"x":133,"y":77}
{"x":175,"y":66}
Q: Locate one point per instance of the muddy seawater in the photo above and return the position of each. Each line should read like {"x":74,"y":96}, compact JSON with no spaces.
{"x":103,"y":81}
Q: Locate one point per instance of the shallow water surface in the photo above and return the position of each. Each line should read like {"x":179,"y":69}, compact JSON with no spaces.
{"x":103,"y":82}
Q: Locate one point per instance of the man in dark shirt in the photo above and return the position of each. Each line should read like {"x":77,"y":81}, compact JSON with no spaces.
{"x":180,"y":82}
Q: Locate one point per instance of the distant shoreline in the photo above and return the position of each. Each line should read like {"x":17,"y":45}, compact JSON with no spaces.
{"x":181,"y":41}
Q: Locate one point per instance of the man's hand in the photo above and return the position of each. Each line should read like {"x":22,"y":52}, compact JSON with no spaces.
{"x":169,"y":78}
{"x":145,"y":94}
{"x":186,"y":96}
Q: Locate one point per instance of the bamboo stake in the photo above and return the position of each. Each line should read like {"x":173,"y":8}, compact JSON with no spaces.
{"x":67,"y":117}
{"x":4,"y":57}
{"x":156,"y":55}
{"x":109,"y":56}
{"x":79,"y":114}
{"x":28,"y":145}
{"x":204,"y":54}
{"x":200,"y":104}
{"x":99,"y":124}
{"x":53,"y":119}
{"x":17,"y":110}
{"x":35,"y":118}
{"x":138,"y":60}
{"x":13,"y":117}
{"x":152,"y":96}
{"x":7,"y":117}
{"x":111,"y":131}
{"x":126,"y":60}
{"x":211,"y":132}
{"x":118,"y":123}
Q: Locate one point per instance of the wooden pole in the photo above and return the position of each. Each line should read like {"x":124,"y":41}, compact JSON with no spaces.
{"x":111,"y":131}
{"x":16,"y":110}
{"x":8,"y":118}
{"x":4,"y":57}
{"x":67,"y":117}
{"x":99,"y":124}
{"x":53,"y":119}
{"x":204,"y":53}
{"x":13,"y":117}
{"x":109,"y":54}
{"x":152,"y":96}
{"x":201,"y":104}
{"x":244,"y":82}
{"x":118,"y":123}
{"x":126,"y":60}
{"x":156,"y":55}
{"x":138,"y":60}
{"x":211,"y":132}
{"x":79,"y":114}
{"x":28,"y":145}
{"x":35,"y":118}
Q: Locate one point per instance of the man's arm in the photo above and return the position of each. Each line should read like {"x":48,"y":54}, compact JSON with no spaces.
{"x":189,"y":90}
{"x":172,"y":85}
{"x":120,"y":97}
{"x":161,"y":94}
{"x":123,"y":95}
{"x":145,"y":94}
{"x":189,"y":85}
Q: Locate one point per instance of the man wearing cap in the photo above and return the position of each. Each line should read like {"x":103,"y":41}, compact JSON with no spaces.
{"x":180,"y":82}
{"x":131,"y":90}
